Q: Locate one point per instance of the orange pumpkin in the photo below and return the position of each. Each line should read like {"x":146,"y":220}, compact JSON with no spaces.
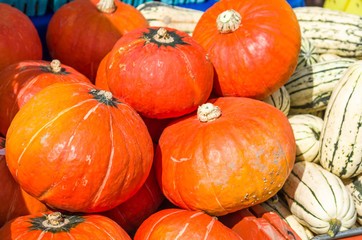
{"x":92,"y":151}
{"x":160,"y":72}
{"x":82,"y":32}
{"x":58,"y":226}
{"x":183,"y":225}
{"x":14,"y":202}
{"x":22,"y":80}
{"x":234,"y":153}
{"x":19,"y":39}
{"x":253,"y":45}
{"x":130,"y":214}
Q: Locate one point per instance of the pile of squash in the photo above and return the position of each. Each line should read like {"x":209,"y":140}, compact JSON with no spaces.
{"x":161,"y":122}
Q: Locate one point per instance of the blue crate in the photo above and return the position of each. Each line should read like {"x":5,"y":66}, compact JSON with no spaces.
{"x":29,"y":7}
{"x":56,"y":4}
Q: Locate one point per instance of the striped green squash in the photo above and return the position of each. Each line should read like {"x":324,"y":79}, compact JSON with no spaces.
{"x":319,"y":199}
{"x":331,"y":31}
{"x":310,"y":87}
{"x":341,"y":137}
{"x":354,"y":186}
{"x":307,"y":130}
{"x":284,"y":213}
{"x":279,"y":99}
{"x":307,"y":55}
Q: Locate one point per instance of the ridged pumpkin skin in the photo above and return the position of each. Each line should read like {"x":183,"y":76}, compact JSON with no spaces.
{"x":14,"y":202}
{"x":258,"y":57}
{"x":78,"y":149}
{"x":130,"y":214}
{"x":44,"y":226}
{"x":160,"y":72}
{"x":240,"y":159}
{"x":19,"y":39}
{"x":80,"y":35}
{"x":183,"y":225}
{"x":22,"y":80}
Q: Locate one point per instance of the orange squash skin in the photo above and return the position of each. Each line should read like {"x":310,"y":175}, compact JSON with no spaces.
{"x":77,"y":153}
{"x":236,"y":161}
{"x":81,"y":227}
{"x":130,"y":214}
{"x":258,"y":57}
{"x":19,"y":39}
{"x":145,"y":73}
{"x":14,"y":202}
{"x":183,"y":225}
{"x":22,"y":80}
{"x":79,"y":35}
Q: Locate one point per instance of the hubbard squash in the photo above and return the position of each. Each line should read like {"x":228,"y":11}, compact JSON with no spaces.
{"x":92,"y":151}
{"x":253,"y":45}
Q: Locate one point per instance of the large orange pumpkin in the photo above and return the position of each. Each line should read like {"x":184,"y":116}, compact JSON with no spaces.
{"x":160,"y":72}
{"x":76,"y":148}
{"x":253,"y":45}
{"x":183,"y":225}
{"x":14,"y":202}
{"x":58,"y":226}
{"x":234,"y":153}
{"x":130,"y":214}
{"x":22,"y":80}
{"x":19,"y":39}
{"x":82,"y":32}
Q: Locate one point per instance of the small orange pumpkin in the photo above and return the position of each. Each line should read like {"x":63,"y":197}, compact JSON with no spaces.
{"x":233,"y":153}
{"x":19,"y":39}
{"x":58,"y":226}
{"x":92,"y":151}
{"x":82,"y":32}
{"x":14,"y":201}
{"x":22,"y":80}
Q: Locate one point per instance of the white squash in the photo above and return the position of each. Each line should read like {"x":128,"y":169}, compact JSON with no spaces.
{"x":354,"y":186}
{"x":307,"y":130}
{"x":279,"y":99}
{"x":319,"y":199}
{"x":341,"y":137}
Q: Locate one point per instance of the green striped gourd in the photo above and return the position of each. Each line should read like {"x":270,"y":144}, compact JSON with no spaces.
{"x":307,"y":55}
{"x":310,"y":87}
{"x":354,"y":186}
{"x":160,"y":14}
{"x":284,"y":213}
{"x":279,"y":99}
{"x":331,"y":31}
{"x":307,"y":130}
{"x":319,"y":199}
{"x":341,"y":137}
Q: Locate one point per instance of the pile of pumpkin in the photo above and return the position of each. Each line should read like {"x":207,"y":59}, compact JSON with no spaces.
{"x":147,"y":131}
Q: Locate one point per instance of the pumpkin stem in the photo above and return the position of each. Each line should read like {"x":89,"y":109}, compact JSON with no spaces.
{"x":163,"y":36}
{"x":228,"y":21}
{"x":335,"y":225}
{"x":55,"y":220}
{"x":55,"y":66}
{"x":104,"y":97}
{"x":106,"y":6}
{"x":208,"y":112}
